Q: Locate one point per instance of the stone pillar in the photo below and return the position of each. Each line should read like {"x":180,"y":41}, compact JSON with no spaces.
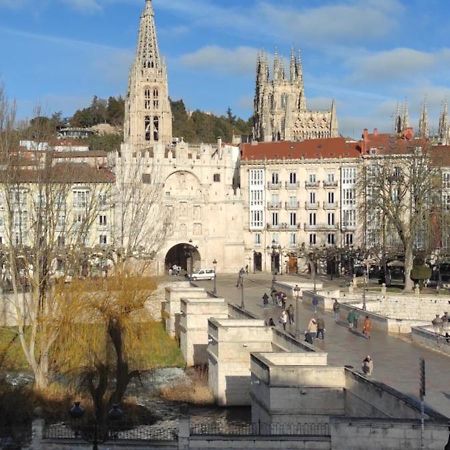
{"x":183,"y":433}
{"x":383,"y":288}
{"x":37,"y":430}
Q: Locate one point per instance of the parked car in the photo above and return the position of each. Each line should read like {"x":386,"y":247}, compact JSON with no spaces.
{"x":203,"y":274}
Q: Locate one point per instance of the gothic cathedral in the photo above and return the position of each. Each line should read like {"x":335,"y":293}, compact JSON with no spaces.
{"x":280,"y":105}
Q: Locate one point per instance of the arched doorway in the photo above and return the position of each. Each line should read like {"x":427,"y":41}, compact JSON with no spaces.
{"x":257,"y":261}
{"x":186,"y":256}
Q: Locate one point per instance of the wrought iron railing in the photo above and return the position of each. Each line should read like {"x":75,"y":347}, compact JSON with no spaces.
{"x":261,"y":429}
{"x":89,"y":433}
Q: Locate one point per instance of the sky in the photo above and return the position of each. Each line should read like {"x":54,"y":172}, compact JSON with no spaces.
{"x":368,"y":55}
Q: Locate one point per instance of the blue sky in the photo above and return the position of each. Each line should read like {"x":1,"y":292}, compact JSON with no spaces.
{"x":367,"y":54}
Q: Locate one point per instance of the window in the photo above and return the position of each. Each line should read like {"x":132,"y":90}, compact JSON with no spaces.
{"x":312,"y":197}
{"x":275,"y":219}
{"x":80,"y":198}
{"x":348,"y":239}
{"x":155,"y":98}
{"x":312,"y":178}
{"x":293,"y":201}
{"x":292,"y":239}
{"x":275,"y":179}
{"x":102,"y":220}
{"x":256,"y":219}
{"x":147,"y":98}
{"x":61,"y":241}
{"x":293,"y":219}
{"x":348,"y":196}
{"x":257,"y":238}
{"x":103,"y":239}
{"x":312,"y":239}
{"x":146,"y":178}
{"x":349,"y":218}
{"x":331,"y":238}
{"x":330,"y":177}
{"x":275,"y":199}
{"x":156,"y":128}
{"x":330,"y":218}
{"x":312,"y":218}
{"x":147,"y":128}
{"x":61,"y":219}
{"x":216,"y":178}
{"x":292,"y":178}
{"x":197,"y":229}
{"x":330,"y":197}
{"x":446,"y":180}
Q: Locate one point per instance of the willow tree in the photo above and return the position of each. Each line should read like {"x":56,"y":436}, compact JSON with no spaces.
{"x":398,"y":191}
{"x":105,"y":335}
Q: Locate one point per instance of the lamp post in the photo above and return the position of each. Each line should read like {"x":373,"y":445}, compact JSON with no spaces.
{"x":99,"y":433}
{"x":274,"y":248}
{"x":215,"y":277}
{"x":297,"y":311}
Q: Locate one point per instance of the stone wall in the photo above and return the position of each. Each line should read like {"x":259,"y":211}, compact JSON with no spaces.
{"x":194,"y":327}
{"x":428,"y":338}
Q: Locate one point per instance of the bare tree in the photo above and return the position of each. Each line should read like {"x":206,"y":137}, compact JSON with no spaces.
{"x":142,"y":219}
{"x":397,"y":193}
{"x":48,"y":214}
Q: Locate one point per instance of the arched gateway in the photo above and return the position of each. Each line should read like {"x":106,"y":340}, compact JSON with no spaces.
{"x":186,"y":256}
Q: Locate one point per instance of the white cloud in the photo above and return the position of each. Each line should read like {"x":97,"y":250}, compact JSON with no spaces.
{"x":240,"y":60}
{"x":85,"y":6}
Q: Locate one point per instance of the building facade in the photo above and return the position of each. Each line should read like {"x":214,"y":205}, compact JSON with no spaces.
{"x":296,"y":195}
{"x":280,"y":111}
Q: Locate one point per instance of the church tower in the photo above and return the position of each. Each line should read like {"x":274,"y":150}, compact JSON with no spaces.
{"x":280,"y":112}
{"x":148,"y":117}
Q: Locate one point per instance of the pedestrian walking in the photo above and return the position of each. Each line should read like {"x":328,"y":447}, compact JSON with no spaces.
{"x":246,"y":269}
{"x":367,"y":365}
{"x":311,"y":331}
{"x":290,"y":312}
{"x":320,"y":328}
{"x":351,"y":318}
{"x":273,"y":294}
{"x":355,"y":320}
{"x":437,"y":323}
{"x":284,"y":319}
{"x":265,"y":299}
{"x":367,"y":327}
{"x":240,"y":277}
{"x":271,"y":322}
{"x":336,"y":308}
{"x":445,"y":321}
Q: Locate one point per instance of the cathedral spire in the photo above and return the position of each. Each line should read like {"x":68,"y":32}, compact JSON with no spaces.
{"x":424,"y":129}
{"x":334,"y":126}
{"x":293,"y":71}
{"x":443,"y":125}
{"x":148,"y":50}
{"x":405,"y":118}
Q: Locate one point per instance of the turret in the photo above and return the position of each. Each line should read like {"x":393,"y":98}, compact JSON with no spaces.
{"x":424,"y":129}
{"x":443,"y":132}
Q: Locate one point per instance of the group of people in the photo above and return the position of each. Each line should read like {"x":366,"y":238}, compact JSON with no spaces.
{"x":174,"y":270}
{"x":286,"y":317}
{"x":315,"y":329}
{"x":352,"y":320}
{"x":441,"y":324}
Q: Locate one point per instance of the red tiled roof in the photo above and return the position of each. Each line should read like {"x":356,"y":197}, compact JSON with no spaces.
{"x":309,"y":149}
{"x":59,"y":173}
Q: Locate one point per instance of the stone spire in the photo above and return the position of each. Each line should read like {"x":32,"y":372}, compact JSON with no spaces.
{"x":405,"y":117}
{"x":148,"y":116}
{"x":148,"y":50}
{"x":334,"y":126}
{"x":424,"y":129}
{"x":293,"y":68}
{"x":443,"y":132}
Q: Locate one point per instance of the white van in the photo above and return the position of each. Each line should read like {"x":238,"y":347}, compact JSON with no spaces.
{"x":203,"y":274}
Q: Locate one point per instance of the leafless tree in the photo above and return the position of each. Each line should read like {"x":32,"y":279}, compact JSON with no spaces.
{"x":397,"y":192}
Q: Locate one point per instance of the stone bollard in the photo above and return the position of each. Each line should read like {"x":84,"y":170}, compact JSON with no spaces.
{"x":37,"y":430}
{"x":383,"y":288}
{"x":184,"y":432}
{"x":417,"y":289}
{"x":354,"y":282}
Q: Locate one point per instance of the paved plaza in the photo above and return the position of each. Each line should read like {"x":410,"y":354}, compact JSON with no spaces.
{"x":396,"y":359}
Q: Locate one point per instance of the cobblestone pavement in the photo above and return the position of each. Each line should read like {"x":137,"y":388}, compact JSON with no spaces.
{"x":396,"y":360}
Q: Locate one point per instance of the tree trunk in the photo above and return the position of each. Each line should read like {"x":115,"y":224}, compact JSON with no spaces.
{"x":409,"y":261}
{"x":41,"y":373}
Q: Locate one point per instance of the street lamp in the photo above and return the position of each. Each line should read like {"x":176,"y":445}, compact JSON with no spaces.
{"x":215,"y":276}
{"x":297,"y":311}
{"x":274,"y":248}
{"x":100,"y":433}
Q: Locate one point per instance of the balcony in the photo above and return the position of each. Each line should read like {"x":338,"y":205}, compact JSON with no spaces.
{"x":327,"y":205}
{"x":273,"y":227}
{"x":274,"y":205}
{"x":292,"y":205}
{"x":309,"y":205}
{"x":320,"y":227}
{"x":292,"y":186}
{"x":274,"y":185}
{"x":330,"y":184}
{"x":312,"y":184}
{"x":348,"y":227}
